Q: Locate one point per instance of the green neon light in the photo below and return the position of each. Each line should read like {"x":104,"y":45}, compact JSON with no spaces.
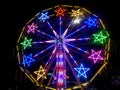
{"x":26,"y":43}
{"x":99,"y":38}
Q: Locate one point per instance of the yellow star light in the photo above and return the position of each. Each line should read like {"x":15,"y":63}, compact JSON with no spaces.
{"x":76,"y":13}
{"x":40,"y":73}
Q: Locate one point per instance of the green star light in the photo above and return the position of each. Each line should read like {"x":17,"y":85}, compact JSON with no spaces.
{"x":99,"y":37}
{"x":26,"y":43}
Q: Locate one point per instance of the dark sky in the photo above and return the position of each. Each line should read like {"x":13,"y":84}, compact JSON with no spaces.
{"x":20,"y":11}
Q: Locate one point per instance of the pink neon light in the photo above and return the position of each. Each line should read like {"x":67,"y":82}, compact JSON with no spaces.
{"x":69,"y":40}
{"x":54,"y":50}
{"x":32,"y":28}
{"x":95,"y":56}
{"x":50,"y":41}
{"x":64,"y":46}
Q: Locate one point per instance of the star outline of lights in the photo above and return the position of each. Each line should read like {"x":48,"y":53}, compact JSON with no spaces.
{"x":99,"y":37}
{"x":44,"y":16}
{"x":94,"y":58}
{"x":60,"y":11}
{"x":39,"y":71}
{"x":28,"y":60}
{"x":26,"y":43}
{"x":76,"y":13}
{"x":91,"y":22}
{"x":32,"y":28}
{"x":83,"y":72}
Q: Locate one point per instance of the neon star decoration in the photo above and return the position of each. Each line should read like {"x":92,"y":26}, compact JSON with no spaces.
{"x":28,"y":60}
{"x":95,"y":56}
{"x":82,"y":71}
{"x":60,"y":11}
{"x":99,"y":37}
{"x":32,"y":28}
{"x":40,"y":73}
{"x":76,"y":13}
{"x":26,"y":43}
{"x":44,"y":16}
{"x":91,"y":22}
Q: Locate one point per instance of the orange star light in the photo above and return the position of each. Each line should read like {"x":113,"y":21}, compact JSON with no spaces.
{"x":60,"y":11}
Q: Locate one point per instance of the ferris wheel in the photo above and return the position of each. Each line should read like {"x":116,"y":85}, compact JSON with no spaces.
{"x":63,"y":47}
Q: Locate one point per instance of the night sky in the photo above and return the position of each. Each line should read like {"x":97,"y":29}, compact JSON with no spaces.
{"x":19,"y":12}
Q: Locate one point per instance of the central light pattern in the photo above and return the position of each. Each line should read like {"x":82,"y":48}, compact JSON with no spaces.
{"x":59,"y":41}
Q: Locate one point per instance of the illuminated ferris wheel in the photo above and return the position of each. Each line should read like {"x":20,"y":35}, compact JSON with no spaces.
{"x":63,"y":47}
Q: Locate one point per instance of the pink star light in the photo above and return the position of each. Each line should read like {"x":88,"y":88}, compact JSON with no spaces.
{"x":95,"y":56}
{"x":32,"y":28}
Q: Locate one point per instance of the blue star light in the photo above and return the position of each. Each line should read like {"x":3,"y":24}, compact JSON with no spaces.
{"x":82,"y":71}
{"x":91,"y":22}
{"x":28,"y":59}
{"x":44,"y":16}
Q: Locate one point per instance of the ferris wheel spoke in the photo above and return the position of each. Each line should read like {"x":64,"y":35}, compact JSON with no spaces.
{"x":65,"y":32}
{"x":51,"y":76}
{"x":79,"y":29}
{"x":50,"y":61}
{"x":41,"y":32}
{"x":70,"y":65}
{"x":67,"y":51}
{"x":77,"y":48}
{"x":44,"y":50}
{"x":78,"y":39}
{"x":75,"y":51}
{"x":53,"y":52}
{"x":60,"y":24}
{"x":49,"y":65}
{"x":55,"y":33}
{"x":49,"y":41}
{"x":44,"y":56}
